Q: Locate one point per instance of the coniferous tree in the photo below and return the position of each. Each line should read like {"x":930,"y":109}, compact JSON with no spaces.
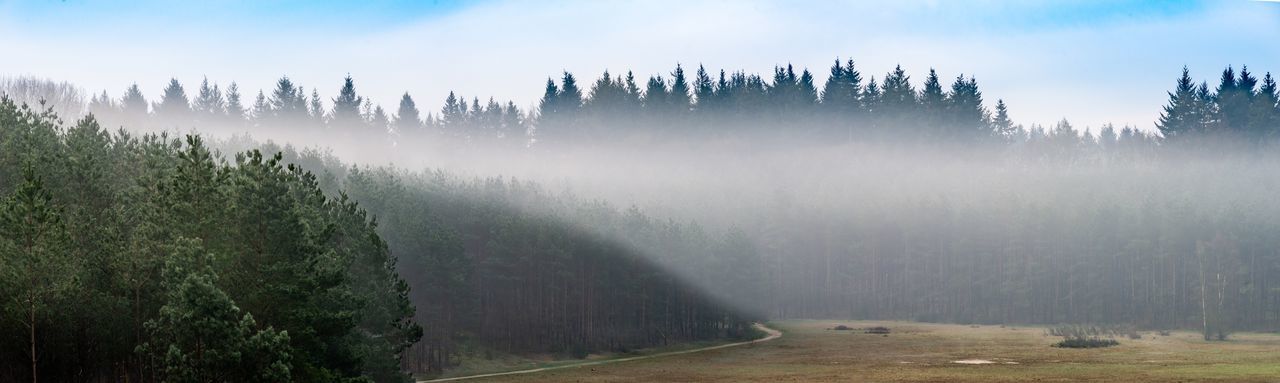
{"x":38,"y":272}
{"x":209,"y":105}
{"x":678,"y":97}
{"x":315,"y":109}
{"x":965,"y":113}
{"x":261,"y":109}
{"x":1266,"y":108}
{"x":1001,"y":124}
{"x":346,"y":107}
{"x":656,"y":100}
{"x":933,"y":110}
{"x":200,"y":334}
{"x":235,"y":110}
{"x":133,"y":105}
{"x":174,"y":106}
{"x":1181,"y":117}
{"x":569,"y":99}
{"x":408,"y":118}
{"x":549,"y":118}
{"x":841,"y":93}
{"x":1231,"y":104}
{"x":288,"y":103}
{"x":704,"y":91}
{"x":897,"y":100}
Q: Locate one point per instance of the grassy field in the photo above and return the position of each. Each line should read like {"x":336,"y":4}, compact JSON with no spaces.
{"x":918,"y":352}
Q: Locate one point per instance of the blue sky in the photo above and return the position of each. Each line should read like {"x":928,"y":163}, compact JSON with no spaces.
{"x":1089,"y":61}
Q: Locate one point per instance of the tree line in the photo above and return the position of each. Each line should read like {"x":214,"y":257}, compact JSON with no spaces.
{"x":848,"y":106}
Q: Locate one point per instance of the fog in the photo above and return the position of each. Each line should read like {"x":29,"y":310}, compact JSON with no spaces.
{"x":771,"y":199}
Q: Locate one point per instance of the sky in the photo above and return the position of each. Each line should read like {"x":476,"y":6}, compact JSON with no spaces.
{"x":1091,"y":62}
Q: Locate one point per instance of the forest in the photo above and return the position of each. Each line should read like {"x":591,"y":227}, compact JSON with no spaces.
{"x":299,"y":238}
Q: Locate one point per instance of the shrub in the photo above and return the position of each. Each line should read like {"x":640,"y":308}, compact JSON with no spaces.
{"x":877,"y":330}
{"x":1086,"y":343}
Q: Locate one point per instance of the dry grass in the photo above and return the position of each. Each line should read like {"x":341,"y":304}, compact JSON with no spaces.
{"x":918,"y":352}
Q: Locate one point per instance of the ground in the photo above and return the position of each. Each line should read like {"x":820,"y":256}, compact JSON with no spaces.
{"x":918,"y":352}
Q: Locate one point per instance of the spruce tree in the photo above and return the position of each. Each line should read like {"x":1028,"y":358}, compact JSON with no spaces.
{"x":897,"y":98}
{"x":408,"y":118}
{"x":288,"y":102}
{"x":678,"y":97}
{"x":235,"y":110}
{"x":1001,"y":124}
{"x":209,"y":104}
{"x":133,"y":106}
{"x":703,"y":90}
{"x":1231,"y":103}
{"x":934,"y":118}
{"x":346,"y":107}
{"x":1266,"y":108}
{"x":965,"y":113}
{"x":315,"y":109}
{"x":174,"y":106}
{"x":548,"y":110}
{"x":1181,"y":115}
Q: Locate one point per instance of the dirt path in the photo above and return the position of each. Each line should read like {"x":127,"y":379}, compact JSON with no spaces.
{"x":773,"y":334}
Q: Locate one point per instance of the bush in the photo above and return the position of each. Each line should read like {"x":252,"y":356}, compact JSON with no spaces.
{"x":1082,"y":336}
{"x":877,"y":330}
{"x":842,"y":328}
{"x":1086,"y":343}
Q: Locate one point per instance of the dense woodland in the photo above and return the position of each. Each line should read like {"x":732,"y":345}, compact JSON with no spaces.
{"x":906,"y":203}
{"x":252,"y":269}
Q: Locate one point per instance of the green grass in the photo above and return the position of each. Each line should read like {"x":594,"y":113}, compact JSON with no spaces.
{"x":919,"y":352}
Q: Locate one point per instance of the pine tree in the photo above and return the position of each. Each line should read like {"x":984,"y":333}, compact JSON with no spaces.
{"x":842,"y":92}
{"x":1266,"y":108}
{"x":1181,"y":116}
{"x":235,"y":111}
{"x":315,"y":108}
{"x":201,"y":336}
{"x":379,"y":120}
{"x":678,"y":97}
{"x":346,"y":107}
{"x":569,"y":99}
{"x":965,"y":113}
{"x":704,"y":91}
{"x":548,"y":110}
{"x":173,"y":106}
{"x":933,"y":109}
{"x":897,"y":99}
{"x":288,"y":102}
{"x":408,"y":118}
{"x":1231,"y":104}
{"x":261,"y":109}
{"x":209,"y":105}
{"x":133,"y":106}
{"x":655,"y":96}
{"x":35,"y":266}
{"x":1001,"y":124}
{"x":453,"y":114}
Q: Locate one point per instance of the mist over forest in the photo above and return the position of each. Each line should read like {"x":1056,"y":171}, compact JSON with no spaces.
{"x":222,"y":232}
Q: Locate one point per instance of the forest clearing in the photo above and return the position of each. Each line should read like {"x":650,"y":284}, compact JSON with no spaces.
{"x":924,"y":352}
